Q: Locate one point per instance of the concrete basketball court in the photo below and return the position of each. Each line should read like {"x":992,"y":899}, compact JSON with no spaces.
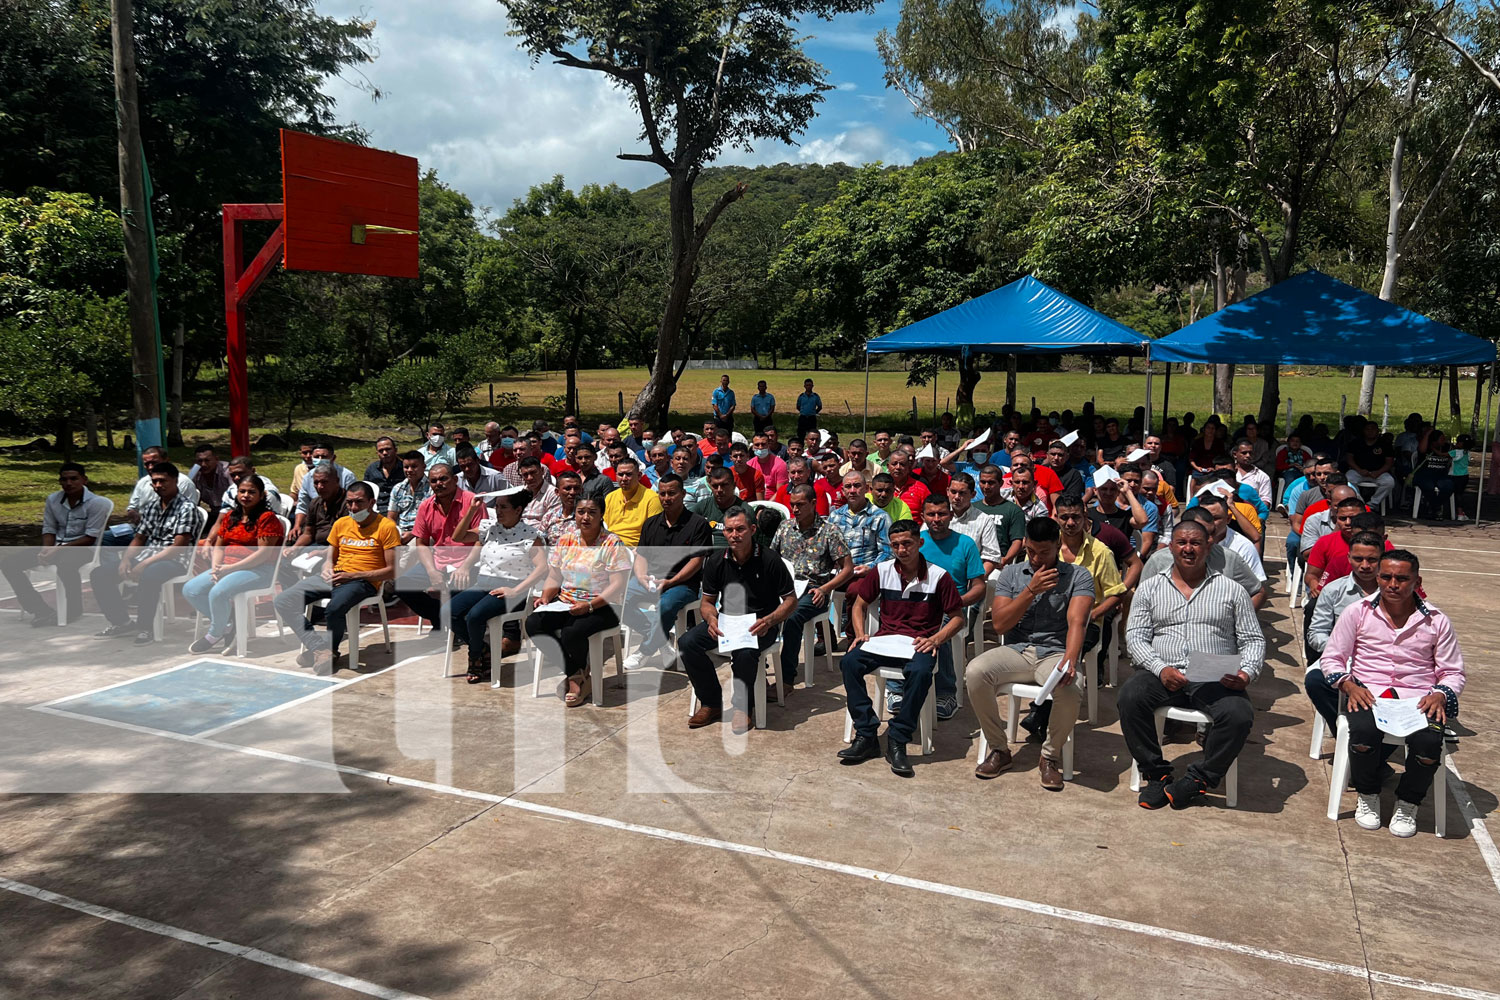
{"x":394,"y":834}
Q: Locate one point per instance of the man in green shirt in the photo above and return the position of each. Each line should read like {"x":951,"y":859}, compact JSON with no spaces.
{"x":883,"y":495}
{"x":721,"y":496}
{"x":1010,"y":519}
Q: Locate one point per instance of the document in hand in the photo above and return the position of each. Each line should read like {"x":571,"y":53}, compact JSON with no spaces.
{"x":1399,"y":716}
{"x":898,"y":647}
{"x":1210,"y":666}
{"x":981,"y":439}
{"x":1052,"y":681}
{"x":734,"y":633}
{"x":556,"y":606}
{"x":121,"y":530}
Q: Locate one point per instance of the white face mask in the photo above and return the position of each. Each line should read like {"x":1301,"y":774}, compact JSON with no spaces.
{"x":360,"y":515}
{"x":436,"y":440}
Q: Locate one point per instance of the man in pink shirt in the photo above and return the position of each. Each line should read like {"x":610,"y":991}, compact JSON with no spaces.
{"x":1394,"y":645}
{"x":771,"y":467}
{"x":440,"y":560}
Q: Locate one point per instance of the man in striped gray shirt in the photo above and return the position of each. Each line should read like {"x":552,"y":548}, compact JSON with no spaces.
{"x":1189,"y":613}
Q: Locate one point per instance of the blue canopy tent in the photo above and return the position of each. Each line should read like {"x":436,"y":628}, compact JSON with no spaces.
{"x":1313,"y":319}
{"x":1023,"y":317}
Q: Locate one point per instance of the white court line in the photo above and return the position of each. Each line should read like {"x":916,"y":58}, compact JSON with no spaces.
{"x":1487,"y":849}
{"x":870,"y":874}
{"x":212,"y":944}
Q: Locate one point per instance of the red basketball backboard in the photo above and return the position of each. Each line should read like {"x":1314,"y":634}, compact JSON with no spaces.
{"x":348,"y":209}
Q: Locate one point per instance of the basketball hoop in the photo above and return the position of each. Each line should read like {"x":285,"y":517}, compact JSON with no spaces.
{"x":345,"y":209}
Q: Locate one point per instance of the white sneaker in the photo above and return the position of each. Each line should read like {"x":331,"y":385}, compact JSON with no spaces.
{"x":1404,"y":819}
{"x":1367,"y":813}
{"x":638,"y":659}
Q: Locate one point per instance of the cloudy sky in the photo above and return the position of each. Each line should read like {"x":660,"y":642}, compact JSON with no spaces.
{"x":461,"y":97}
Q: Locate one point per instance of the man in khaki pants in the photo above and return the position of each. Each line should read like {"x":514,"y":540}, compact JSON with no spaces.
{"x":1042,"y":609}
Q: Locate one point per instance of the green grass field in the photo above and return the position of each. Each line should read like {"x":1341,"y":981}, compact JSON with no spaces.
{"x":27,"y":476}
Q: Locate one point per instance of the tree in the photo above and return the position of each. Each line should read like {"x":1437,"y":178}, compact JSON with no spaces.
{"x":702,"y":78}
{"x":896,"y":246}
{"x":423,"y":391}
{"x":988,"y":75}
{"x":1262,"y":96}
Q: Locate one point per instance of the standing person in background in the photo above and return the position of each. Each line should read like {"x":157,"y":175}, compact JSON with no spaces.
{"x":724,"y":404}
{"x":762,"y":407}
{"x":809,"y":405}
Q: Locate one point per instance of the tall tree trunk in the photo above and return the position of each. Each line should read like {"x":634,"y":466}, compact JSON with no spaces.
{"x":1396,"y":200}
{"x":1278,"y":270}
{"x":1223,"y":374}
{"x":174,"y":397}
{"x":654,"y":402}
{"x":1010,"y":381}
{"x":1455,"y":410}
{"x":91,"y":428}
{"x":968,"y":377}
{"x":65,"y":438}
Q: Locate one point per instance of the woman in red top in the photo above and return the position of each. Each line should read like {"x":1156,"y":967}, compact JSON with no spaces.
{"x":243,"y":549}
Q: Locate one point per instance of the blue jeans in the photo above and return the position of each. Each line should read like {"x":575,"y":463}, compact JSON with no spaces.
{"x":291,"y":607}
{"x":656,"y":628}
{"x":215,"y":599}
{"x":470,"y":610}
{"x":856,"y":664}
{"x":791,"y":634}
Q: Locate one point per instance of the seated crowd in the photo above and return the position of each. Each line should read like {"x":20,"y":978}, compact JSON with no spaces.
{"x":1048,"y":534}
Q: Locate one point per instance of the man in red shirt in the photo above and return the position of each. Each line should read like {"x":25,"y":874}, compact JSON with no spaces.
{"x":912,"y":491}
{"x":748,"y":480}
{"x":1047,"y":483}
{"x":931,"y":473}
{"x":829,"y":485}
{"x":798,"y":473}
{"x":1329,"y":558}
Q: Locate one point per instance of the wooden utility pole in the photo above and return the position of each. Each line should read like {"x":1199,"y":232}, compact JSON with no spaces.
{"x":140,"y":293}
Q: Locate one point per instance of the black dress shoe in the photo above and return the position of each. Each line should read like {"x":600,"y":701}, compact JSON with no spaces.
{"x":862,"y":749}
{"x":895,"y":755}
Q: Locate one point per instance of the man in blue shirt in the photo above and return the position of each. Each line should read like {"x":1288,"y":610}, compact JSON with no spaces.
{"x":809,"y":405}
{"x":762,"y":407}
{"x":723,"y":402}
{"x":957,"y":554}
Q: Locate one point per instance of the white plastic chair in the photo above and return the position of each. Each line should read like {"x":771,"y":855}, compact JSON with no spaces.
{"x":596,"y":663}
{"x":770,"y":660}
{"x":956,"y":647}
{"x":1014,"y":693}
{"x":492,"y":627}
{"x":351,"y":627}
{"x":1416,"y":503}
{"x":1340,"y":776}
{"x":1296,"y":582}
{"x":810,"y":632}
{"x":977,"y":632}
{"x":166,"y":605}
{"x":927,"y":721}
{"x":49,"y":572}
{"x":1231,"y":780}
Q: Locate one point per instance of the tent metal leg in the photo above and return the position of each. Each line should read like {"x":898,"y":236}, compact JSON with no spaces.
{"x":1146,"y":419}
{"x":1484,"y":451}
{"x":1438,"y":399}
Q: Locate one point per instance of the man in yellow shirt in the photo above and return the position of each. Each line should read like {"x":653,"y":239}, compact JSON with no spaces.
{"x":627,"y":507}
{"x":361,"y":556}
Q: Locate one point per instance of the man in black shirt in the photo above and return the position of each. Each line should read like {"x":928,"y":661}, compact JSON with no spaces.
{"x":1057,"y":461}
{"x":1113,"y":445}
{"x":385,"y":472}
{"x":668,"y":566}
{"x":746,"y":578}
{"x":1370,"y":462}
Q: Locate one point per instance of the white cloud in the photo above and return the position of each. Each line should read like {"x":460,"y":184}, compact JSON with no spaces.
{"x":462,"y":98}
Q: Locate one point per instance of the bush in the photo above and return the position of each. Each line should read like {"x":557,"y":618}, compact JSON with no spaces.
{"x":424,"y":391}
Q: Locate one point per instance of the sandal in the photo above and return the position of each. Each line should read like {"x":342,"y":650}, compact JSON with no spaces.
{"x":478,"y":673}
{"x":576,"y":698}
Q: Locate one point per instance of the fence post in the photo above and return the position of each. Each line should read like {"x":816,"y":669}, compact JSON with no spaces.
{"x":914,"y":407}
{"x":621,"y":394}
{"x":492,"y":395}
{"x":1343,"y":405}
{"x":1385,"y":416}
{"x":1288,"y":431}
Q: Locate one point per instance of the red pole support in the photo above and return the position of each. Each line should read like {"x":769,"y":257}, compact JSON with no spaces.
{"x":239,"y":284}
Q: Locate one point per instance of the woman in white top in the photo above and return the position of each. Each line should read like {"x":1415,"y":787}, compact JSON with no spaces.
{"x":506,"y":562}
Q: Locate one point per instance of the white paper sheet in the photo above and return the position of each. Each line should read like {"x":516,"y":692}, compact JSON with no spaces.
{"x":1399,"y":716}
{"x":1104,"y":474}
{"x":926,"y":452}
{"x":800,"y":587}
{"x":1052,"y":681}
{"x":900,"y":647}
{"x":734,"y":633}
{"x":981,"y":439}
{"x":1137,"y":455}
{"x":1218,"y":487}
{"x":1069,"y":438}
{"x":1211,"y":666}
{"x":309,"y":561}
{"x":556,"y":606}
